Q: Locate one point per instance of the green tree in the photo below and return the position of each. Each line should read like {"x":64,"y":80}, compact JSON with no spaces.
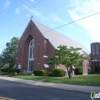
{"x":9,"y":53}
{"x":68,"y":57}
{"x":1,"y":63}
{"x":54,"y":61}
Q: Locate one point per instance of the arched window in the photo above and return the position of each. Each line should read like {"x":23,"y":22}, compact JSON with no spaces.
{"x":31,"y":49}
{"x":31,"y":56}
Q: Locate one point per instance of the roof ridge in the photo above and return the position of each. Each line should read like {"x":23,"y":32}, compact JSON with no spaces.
{"x":56,"y":38}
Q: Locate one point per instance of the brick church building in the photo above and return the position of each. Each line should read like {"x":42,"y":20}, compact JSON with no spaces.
{"x":95,"y":57}
{"x":38,"y":43}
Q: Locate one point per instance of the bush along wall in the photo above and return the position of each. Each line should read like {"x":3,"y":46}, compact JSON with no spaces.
{"x":79,"y":70}
{"x":13,"y":70}
{"x":4,"y":69}
{"x":58,"y":72}
{"x":39,"y":72}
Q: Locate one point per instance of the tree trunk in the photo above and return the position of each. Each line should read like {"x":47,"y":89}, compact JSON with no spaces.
{"x":69,"y":74}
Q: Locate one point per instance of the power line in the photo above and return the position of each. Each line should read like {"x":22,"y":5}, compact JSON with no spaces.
{"x":14,"y":28}
{"x":11,"y":18}
{"x":54,"y":9}
{"x":18,"y":14}
{"x":12,"y":9}
{"x":8,"y":7}
{"x":67,"y":23}
{"x":72,"y":22}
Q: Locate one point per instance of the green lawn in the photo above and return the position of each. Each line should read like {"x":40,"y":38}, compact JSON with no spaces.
{"x":88,"y":80}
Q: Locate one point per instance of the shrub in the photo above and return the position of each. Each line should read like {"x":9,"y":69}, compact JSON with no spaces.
{"x":6,"y":65}
{"x":17,"y":70}
{"x":58,"y":72}
{"x":4,"y":69}
{"x":11,"y":70}
{"x":50,"y":74}
{"x":99,"y":69}
{"x":39,"y":72}
{"x":90,"y":72}
{"x":11,"y":74}
{"x":79,"y":70}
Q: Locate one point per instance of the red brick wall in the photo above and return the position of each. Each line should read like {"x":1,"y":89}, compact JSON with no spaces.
{"x":95,"y":55}
{"x":42,"y":47}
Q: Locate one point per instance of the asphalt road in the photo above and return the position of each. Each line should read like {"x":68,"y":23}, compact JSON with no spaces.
{"x":19,"y":91}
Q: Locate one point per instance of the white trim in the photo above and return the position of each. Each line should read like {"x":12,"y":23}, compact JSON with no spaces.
{"x":95,"y":60}
{"x":46,"y":65}
{"x":45,"y":56}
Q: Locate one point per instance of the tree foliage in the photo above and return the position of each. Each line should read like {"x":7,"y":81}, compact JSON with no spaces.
{"x":9,"y":53}
{"x":67,"y":56}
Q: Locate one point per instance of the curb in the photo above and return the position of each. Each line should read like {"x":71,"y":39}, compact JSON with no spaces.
{"x":65,"y":87}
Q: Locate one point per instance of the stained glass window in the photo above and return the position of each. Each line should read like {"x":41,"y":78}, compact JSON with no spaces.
{"x":31,"y":49}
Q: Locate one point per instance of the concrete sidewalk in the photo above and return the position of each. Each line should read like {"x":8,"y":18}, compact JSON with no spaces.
{"x":78,"y":88}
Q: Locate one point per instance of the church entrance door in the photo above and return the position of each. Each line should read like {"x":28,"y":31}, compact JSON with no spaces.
{"x":31,"y":63}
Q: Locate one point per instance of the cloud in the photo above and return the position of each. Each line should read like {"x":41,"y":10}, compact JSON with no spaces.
{"x":27,"y":15}
{"x":6,"y":4}
{"x":80,"y":9}
{"x":34,"y":11}
{"x":57,"y":19}
{"x":17,"y":11}
{"x":31,"y":10}
{"x":32,"y":0}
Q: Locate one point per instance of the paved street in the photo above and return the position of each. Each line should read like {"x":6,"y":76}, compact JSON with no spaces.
{"x":19,"y":91}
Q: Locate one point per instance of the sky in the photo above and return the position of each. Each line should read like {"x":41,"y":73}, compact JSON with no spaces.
{"x":16,"y":14}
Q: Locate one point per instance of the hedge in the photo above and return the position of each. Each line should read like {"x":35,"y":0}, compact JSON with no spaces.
{"x":11,"y":74}
{"x":79,"y":70}
{"x":39,"y":72}
{"x":58,"y":72}
{"x":4,"y":69}
{"x":11,"y":70}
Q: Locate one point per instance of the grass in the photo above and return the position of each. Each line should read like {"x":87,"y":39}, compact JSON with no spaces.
{"x":90,"y":80}
{"x":87,"y":80}
{"x":30,"y":77}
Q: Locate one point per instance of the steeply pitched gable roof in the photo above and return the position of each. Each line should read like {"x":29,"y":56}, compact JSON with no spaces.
{"x":57,"y":39}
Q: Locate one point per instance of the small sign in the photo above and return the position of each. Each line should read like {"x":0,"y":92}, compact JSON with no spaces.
{"x":46,"y":65}
{"x":19,"y":66}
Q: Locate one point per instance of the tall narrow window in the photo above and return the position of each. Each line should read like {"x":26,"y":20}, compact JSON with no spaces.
{"x":97,"y":49}
{"x":93,"y":49}
{"x":31,"y":56}
{"x":31,"y":49}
